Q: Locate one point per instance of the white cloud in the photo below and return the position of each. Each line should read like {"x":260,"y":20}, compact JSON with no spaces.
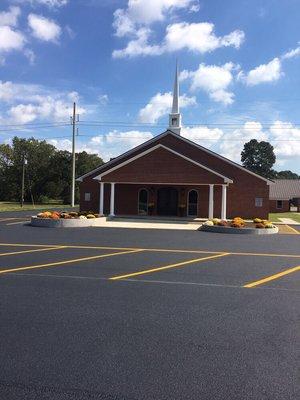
{"x":288,"y":139}
{"x":214,"y":80}
{"x":160,"y":105}
{"x":264,"y":73}
{"x":199,"y":37}
{"x":10,"y":18}
{"x":43,"y":28}
{"x":138,"y":46}
{"x":108,"y":145}
{"x":62,"y":144}
{"x":29,"y":54}
{"x":49,"y":3}
{"x":115,"y":142}
{"x":10,"y":40}
{"x":233,"y":143}
{"x":135,"y":21}
{"x":24,"y":103}
{"x":284,"y":136}
{"x":292,"y":53}
{"x":23,"y":113}
{"x":202,"y":135}
{"x":196,"y":37}
{"x":145,"y":12}
{"x":103,"y":99}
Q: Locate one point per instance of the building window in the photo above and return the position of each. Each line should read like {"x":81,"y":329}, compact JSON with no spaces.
{"x":87,"y":196}
{"x":174,"y":121}
{"x":143,"y":202}
{"x":279,"y":204}
{"x":192,"y":203}
{"x":258,"y":202}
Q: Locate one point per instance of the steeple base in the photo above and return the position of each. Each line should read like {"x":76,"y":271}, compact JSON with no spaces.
{"x":175,"y":122}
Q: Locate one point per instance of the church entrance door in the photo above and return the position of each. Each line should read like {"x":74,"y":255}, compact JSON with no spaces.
{"x":167,"y":201}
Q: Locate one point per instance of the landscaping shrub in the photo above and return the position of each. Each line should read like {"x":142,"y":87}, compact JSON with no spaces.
{"x":222,"y":223}
{"x":208,"y":223}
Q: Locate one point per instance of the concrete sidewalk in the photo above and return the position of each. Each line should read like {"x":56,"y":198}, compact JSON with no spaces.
{"x":147,"y":224}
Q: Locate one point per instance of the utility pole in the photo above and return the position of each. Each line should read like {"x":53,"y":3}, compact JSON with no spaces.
{"x":73,"y":156}
{"x":24,"y":162}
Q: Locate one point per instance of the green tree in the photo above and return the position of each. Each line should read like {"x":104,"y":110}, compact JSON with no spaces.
{"x":286,"y":175}
{"x":7,"y":184}
{"x":48,"y":170}
{"x":259,"y":157}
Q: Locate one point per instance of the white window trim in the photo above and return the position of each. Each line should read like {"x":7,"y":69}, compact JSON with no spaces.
{"x":261,"y":202}
{"x":99,"y":177}
{"x":89,"y":195}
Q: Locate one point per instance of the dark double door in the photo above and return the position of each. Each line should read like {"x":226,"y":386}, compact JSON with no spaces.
{"x":167,"y":201}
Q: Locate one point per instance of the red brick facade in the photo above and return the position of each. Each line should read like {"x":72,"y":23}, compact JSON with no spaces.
{"x":247,"y":195}
{"x":274,"y":206}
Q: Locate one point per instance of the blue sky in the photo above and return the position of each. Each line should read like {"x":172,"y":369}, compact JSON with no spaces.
{"x":239,"y":76}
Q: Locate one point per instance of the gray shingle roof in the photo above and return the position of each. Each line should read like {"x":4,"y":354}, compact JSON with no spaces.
{"x":285,"y":189}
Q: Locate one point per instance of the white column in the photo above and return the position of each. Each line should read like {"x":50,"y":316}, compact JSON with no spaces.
{"x":101,"y":199}
{"x":224,"y":202}
{"x":211,"y":202}
{"x":112,"y":200}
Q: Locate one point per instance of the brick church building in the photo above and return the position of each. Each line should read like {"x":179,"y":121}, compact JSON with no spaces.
{"x":170,"y":175}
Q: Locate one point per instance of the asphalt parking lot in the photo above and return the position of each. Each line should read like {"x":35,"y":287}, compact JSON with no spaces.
{"x":104,"y":313}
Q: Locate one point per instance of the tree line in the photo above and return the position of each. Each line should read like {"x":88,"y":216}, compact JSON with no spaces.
{"x":47,"y":171}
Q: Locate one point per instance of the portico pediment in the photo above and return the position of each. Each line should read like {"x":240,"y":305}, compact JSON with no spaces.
{"x":160,"y":164}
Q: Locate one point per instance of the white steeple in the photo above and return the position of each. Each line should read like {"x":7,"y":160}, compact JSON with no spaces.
{"x":175,"y":116}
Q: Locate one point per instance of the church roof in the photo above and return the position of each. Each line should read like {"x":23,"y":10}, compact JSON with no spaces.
{"x":285,"y":189}
{"x":152,"y":141}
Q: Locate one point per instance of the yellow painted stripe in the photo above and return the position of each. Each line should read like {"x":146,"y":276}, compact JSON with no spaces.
{"x":180,"y":264}
{"x":72,"y":246}
{"x":20,"y":222}
{"x":76,"y":260}
{"x":10,"y":219}
{"x":28,"y":245}
{"x":292,"y":229}
{"x":272,"y":277}
{"x":31,"y":251}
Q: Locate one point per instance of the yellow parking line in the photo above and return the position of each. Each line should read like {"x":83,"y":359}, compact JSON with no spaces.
{"x":19,"y":222}
{"x":272,"y":277}
{"x":72,"y":246}
{"x":292,"y":229}
{"x":4,"y":271}
{"x":10,"y":219}
{"x":28,"y":245}
{"x":31,"y":251}
{"x":180,"y":264}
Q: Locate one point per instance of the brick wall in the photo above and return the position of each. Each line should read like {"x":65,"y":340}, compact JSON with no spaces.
{"x":163,"y":166}
{"x":274,"y":209}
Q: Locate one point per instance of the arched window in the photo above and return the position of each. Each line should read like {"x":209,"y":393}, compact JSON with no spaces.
{"x":143,"y":202}
{"x":192,"y":203}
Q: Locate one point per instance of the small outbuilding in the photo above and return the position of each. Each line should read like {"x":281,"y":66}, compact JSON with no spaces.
{"x":285,"y":194}
{"x":170,"y":175}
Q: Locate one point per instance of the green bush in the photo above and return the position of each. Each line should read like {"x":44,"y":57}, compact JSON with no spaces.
{"x":43,"y":199}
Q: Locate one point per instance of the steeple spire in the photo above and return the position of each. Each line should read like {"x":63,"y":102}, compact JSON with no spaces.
{"x":175,"y":107}
{"x":175,"y":116}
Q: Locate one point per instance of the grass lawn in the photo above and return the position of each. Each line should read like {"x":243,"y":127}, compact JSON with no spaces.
{"x":274,"y":216}
{"x":12,"y":206}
